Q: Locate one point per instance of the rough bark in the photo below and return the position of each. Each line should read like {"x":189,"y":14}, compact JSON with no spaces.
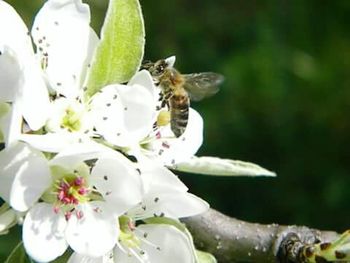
{"x":232,"y":240}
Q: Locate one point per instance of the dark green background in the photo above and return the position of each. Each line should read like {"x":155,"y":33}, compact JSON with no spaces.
{"x":284,"y":104}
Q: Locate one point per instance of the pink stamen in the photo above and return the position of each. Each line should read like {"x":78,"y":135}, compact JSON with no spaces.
{"x":66,"y":200}
{"x":158,"y":135}
{"x":79,"y":181}
{"x":75,"y":201}
{"x":82,"y":191}
{"x":69,"y":192}
{"x":131,"y":225}
{"x":61,"y":195}
{"x":64,"y":185}
{"x":56,"y":209}
{"x":80,"y":214}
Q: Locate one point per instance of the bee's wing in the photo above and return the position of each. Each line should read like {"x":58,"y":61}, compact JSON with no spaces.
{"x":202,"y":85}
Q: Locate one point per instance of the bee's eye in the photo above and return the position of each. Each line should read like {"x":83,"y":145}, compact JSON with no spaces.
{"x":160,"y":69}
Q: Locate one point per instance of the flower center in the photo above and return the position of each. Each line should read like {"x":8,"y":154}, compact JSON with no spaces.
{"x":71,"y":120}
{"x":69,"y":115}
{"x":69,"y":189}
{"x":70,"y":192}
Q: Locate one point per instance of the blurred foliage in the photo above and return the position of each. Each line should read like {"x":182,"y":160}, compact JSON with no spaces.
{"x":284,"y":105}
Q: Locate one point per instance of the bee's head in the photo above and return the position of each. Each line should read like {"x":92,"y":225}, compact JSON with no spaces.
{"x":156,"y":69}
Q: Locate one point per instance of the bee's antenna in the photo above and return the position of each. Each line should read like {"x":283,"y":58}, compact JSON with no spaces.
{"x":146,"y":64}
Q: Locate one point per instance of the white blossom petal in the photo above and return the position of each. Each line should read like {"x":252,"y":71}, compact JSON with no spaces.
{"x":62,"y":35}
{"x":11,"y":159}
{"x":123,"y":115}
{"x":96,"y":232}
{"x":79,"y":152}
{"x":170,"y":204}
{"x":133,"y":255}
{"x":155,"y":176}
{"x":14,"y":32}
{"x":120,"y":184}
{"x":51,"y":142}
{"x":31,"y":180}
{"x":165,"y":194}
{"x":144,"y":78}
{"x":25,"y":78}
{"x":35,"y":97}
{"x":10,"y":74}
{"x":165,"y":243}
{"x":92,"y":44}
{"x":139,"y":114}
{"x":43,"y":233}
{"x":11,"y":124}
{"x":107,"y":115}
{"x":78,"y":258}
{"x":171,"y":150}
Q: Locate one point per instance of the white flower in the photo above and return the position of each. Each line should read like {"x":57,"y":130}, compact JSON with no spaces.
{"x":166,"y":196}
{"x":153,"y":243}
{"x":134,"y":126}
{"x":102,"y":118}
{"x":64,"y":44}
{"x":157,"y":243}
{"x":84,"y":189}
{"x":83,"y":193}
{"x":122,"y":115}
{"x":22,"y":168}
{"x":125,"y":112}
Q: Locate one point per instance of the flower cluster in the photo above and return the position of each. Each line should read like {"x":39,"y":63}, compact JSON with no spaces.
{"x":87,"y":172}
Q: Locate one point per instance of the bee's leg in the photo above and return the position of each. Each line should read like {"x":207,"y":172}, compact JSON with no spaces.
{"x":166,"y":99}
{"x":164,"y":103}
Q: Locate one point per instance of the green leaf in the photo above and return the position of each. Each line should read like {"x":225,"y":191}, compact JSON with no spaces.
{"x":204,"y":257}
{"x":223,"y":167}
{"x":8,"y":219}
{"x":18,"y":255}
{"x":64,"y":258}
{"x":120,"y":51}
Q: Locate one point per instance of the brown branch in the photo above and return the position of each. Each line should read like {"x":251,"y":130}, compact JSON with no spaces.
{"x":232,"y":240}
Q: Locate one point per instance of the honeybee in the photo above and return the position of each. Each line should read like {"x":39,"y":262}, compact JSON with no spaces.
{"x":178,"y":89}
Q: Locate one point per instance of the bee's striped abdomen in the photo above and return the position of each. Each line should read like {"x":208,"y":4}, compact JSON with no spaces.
{"x":179,"y":107}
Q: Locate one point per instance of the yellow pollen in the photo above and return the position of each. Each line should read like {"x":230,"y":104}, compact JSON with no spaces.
{"x":163,"y":118}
